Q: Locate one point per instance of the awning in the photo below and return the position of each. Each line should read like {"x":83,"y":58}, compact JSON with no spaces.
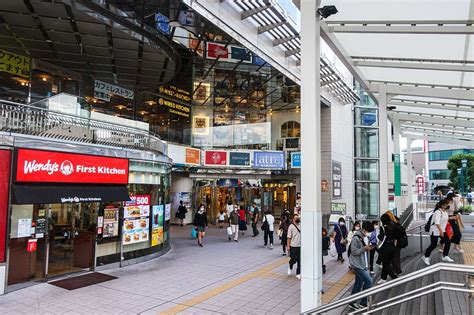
{"x":41,"y":194}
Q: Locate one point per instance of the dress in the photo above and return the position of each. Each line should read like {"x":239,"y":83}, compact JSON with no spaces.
{"x":340,"y":233}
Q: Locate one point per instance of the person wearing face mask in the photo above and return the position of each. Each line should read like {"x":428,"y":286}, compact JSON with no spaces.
{"x":358,"y":261}
{"x":355,"y":228}
{"x":439,"y":220}
{"x":200,"y":224}
{"x":373,"y":243}
{"x":388,"y":235}
{"x":234,"y":224}
{"x":340,"y":238}
{"x":294,"y":246}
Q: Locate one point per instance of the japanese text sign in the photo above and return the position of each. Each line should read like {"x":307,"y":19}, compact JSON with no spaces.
{"x":14,"y":63}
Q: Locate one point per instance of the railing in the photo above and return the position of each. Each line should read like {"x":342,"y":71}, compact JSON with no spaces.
{"x":371,"y":308}
{"x":418,"y":229}
{"x":406,"y":215}
{"x":29,"y":120}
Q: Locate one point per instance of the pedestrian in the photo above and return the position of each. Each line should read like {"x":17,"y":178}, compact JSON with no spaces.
{"x":255,"y":218}
{"x":455,"y":220}
{"x":268,"y":231}
{"x":294,"y":246}
{"x":234,"y":224}
{"x":401,"y":236}
{"x":221,"y":219}
{"x":469,"y":197}
{"x":181,"y":213}
{"x":242,"y":219}
{"x":373,"y":243}
{"x":200,"y":224}
{"x":325,"y":246}
{"x":358,"y":261}
{"x":388,"y":236}
{"x":230,"y":207}
{"x":355,"y":228}
{"x":283,"y":230}
{"x":439,"y":220}
{"x":340,"y":238}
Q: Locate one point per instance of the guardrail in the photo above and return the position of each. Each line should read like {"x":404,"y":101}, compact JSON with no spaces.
{"x":24,"y":119}
{"x":371,"y":308}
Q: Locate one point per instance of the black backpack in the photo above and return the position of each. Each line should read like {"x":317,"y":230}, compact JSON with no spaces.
{"x":429,"y":224}
{"x":349,"y":249}
{"x":403,"y":236}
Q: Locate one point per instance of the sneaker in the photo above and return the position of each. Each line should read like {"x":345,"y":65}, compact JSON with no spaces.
{"x":236,"y":241}
{"x":264,"y":246}
{"x":284,"y":254}
{"x":426,"y":260}
{"x":230,"y":239}
{"x":289,"y":271}
{"x":381,"y":281}
{"x":459,"y":250}
{"x":447,"y":259}
{"x":372,"y":273}
{"x":354,"y":306}
{"x":200,"y":245}
{"x":271,"y":246}
{"x":298,"y":277}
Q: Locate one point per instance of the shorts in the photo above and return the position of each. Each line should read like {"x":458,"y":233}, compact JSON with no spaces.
{"x":220,"y":221}
{"x":201,"y":229}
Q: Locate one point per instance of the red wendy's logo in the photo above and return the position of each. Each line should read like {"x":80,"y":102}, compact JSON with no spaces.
{"x":66,"y":168}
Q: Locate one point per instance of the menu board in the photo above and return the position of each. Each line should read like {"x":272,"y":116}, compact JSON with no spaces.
{"x":157,"y":224}
{"x":136,"y":220}
{"x":111,"y":222}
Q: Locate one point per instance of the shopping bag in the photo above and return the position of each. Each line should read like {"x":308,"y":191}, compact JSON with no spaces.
{"x":332,"y":249}
{"x":449,"y":230}
{"x":194,"y":233}
{"x":229,"y":231}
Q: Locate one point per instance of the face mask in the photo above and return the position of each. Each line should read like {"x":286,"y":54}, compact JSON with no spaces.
{"x":357,"y":228}
{"x":376,"y":226}
{"x":341,"y":224}
{"x":202,"y":209}
{"x":297,"y":220}
{"x":447,"y":208}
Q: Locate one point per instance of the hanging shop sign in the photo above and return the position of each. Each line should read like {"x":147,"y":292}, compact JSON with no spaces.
{"x":136,"y":220}
{"x":241,"y":159}
{"x":338,"y":208}
{"x":336,"y":180}
{"x":269,"y":159}
{"x":175,"y":93}
{"x":200,"y":125}
{"x":397,"y":174}
{"x":295,"y":159}
{"x":215,"y":158}
{"x":193,"y":156}
{"x":175,"y":108}
{"x":228,"y":182}
{"x":37,"y":166}
{"x":15,"y":64}
{"x":104,"y":90}
{"x":162,"y":23}
{"x":229,"y":53}
{"x":420,"y":185}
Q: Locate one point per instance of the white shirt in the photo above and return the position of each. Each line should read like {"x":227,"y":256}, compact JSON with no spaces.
{"x":229,"y":208}
{"x":270,"y":219}
{"x":439,"y":217}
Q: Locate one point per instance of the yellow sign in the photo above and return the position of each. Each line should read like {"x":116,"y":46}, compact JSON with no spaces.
{"x":14,"y":63}
{"x":176,"y":93}
{"x":175,"y":108}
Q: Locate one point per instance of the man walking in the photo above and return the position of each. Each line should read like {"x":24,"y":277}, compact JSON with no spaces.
{"x":294,"y":246}
{"x":255,"y":217}
{"x":234,"y":224}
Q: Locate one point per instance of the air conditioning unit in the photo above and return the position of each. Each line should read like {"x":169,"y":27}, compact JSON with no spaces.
{"x":291,"y":144}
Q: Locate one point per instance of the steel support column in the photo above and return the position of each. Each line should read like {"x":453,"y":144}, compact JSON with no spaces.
{"x":383,"y":149}
{"x":409,"y":174}
{"x":311,"y":283}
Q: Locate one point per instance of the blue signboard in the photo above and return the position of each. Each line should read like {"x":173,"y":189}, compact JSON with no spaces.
{"x":296,"y":160}
{"x":231,"y":182}
{"x":239,"y":159}
{"x":162,"y":23}
{"x":269,"y":159}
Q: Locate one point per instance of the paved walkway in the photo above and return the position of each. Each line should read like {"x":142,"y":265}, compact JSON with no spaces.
{"x":221,"y":278}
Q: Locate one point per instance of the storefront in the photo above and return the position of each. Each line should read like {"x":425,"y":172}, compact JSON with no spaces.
{"x":66,"y":212}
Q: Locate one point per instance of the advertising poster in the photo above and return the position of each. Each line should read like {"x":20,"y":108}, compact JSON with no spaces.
{"x":241,"y":159}
{"x":136,"y":219}
{"x":336,"y":180}
{"x":111,"y":222}
{"x":168,"y":212}
{"x":269,"y":159}
{"x":157,"y":225}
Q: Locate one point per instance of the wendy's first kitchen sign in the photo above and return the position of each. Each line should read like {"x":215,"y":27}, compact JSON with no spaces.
{"x":37,"y":166}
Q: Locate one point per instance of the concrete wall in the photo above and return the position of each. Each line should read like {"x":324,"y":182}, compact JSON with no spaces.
{"x":181,"y":183}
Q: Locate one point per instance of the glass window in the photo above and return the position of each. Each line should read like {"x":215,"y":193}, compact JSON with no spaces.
{"x":439,"y":174}
{"x":290,"y":129}
{"x":367,"y":199}
{"x":445,"y":154}
{"x":367,"y":170}
{"x":367,"y":142}
{"x":366,"y":117}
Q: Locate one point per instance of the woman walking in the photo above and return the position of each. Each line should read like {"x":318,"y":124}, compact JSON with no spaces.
{"x":455,"y":221}
{"x":283,"y":230}
{"x":221,"y":219}
{"x":388,"y":236}
{"x":242,"y":219}
{"x":268,"y":221}
{"x":200,"y":224}
{"x":181,"y":214}
{"x":340,"y":238}
{"x":439,"y":220}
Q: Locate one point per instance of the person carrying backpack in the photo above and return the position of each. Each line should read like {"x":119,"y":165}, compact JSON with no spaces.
{"x":402,"y":242}
{"x":388,"y":236}
{"x":437,"y":229}
{"x":357,"y":254}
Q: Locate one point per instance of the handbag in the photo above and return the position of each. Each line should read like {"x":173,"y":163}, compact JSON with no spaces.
{"x":343,"y":240}
{"x":229,"y":231}
{"x":193,"y":233}
{"x":265,"y":225}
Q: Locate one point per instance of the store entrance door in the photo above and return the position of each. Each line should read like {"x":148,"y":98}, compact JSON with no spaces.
{"x":72,"y":229}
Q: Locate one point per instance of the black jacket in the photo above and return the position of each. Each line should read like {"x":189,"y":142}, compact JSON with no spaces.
{"x":200,"y":219}
{"x":391,"y":233}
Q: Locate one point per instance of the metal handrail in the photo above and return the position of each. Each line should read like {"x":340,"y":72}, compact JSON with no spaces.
{"x":439,"y":288}
{"x":416,"y":227}
{"x":394,"y":283}
{"x":17,"y":118}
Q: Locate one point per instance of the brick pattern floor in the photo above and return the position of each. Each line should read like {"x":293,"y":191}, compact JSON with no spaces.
{"x":221,"y":278}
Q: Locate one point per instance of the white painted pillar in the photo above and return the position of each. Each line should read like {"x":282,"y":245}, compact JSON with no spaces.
{"x":311,"y":251}
{"x":383,"y":149}
{"x":396,"y":150}
{"x":409,"y":163}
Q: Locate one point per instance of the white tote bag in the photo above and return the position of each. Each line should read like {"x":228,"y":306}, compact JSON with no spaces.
{"x":229,"y":231}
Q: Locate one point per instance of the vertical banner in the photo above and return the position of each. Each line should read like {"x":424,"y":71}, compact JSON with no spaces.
{"x":398,"y":175}
{"x":5,"y":156}
{"x":336,"y":180}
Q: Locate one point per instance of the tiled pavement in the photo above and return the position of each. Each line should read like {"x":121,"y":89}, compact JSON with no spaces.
{"x":221,"y":278}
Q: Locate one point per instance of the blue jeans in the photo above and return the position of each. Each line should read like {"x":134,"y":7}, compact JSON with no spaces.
{"x":362,"y":281}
